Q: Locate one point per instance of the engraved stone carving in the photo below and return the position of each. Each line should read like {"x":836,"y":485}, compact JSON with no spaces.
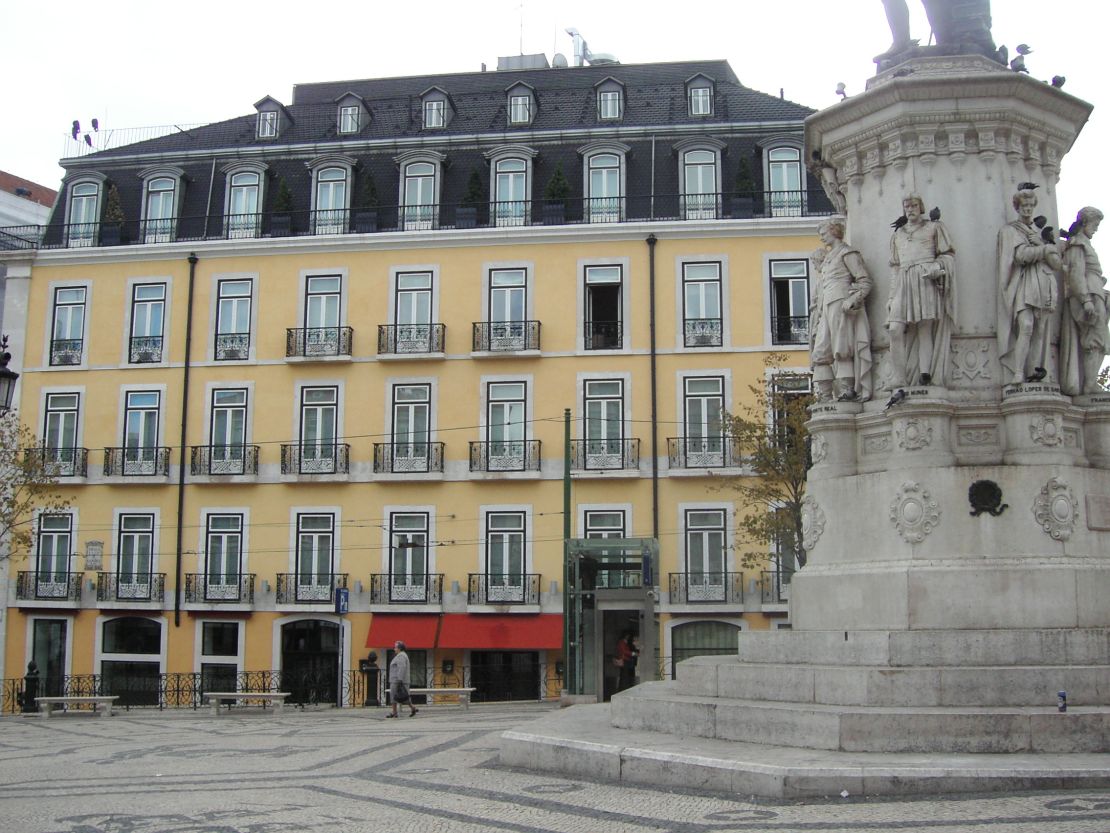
{"x":813,"y":523}
{"x":1056,"y":509}
{"x":970,"y":363}
{"x":914,"y":513}
{"x":876,"y":443}
{"x":978,"y":435}
{"x":1046,"y":431}
{"x":818,"y":448}
{"x":914,"y":434}
{"x":1084,"y":341}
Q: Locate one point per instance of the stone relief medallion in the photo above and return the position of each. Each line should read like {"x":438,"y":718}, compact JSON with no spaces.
{"x":813,"y":523}
{"x":1056,"y":509}
{"x":818,"y":448}
{"x":876,"y":443}
{"x":970,"y":362}
{"x":913,"y":512}
{"x":973,"y":435}
{"x":1046,"y":431}
{"x":914,"y":434}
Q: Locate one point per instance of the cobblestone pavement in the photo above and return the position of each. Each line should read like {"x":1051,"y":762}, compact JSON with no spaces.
{"x":191,"y":772}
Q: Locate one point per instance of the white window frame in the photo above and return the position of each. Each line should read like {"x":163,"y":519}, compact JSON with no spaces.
{"x":101,"y":656}
{"x":520,"y":109}
{"x":328,"y":172}
{"x":607,"y":208}
{"x":610,"y":105}
{"x":680,"y":264}
{"x":701,"y":100}
{"x":484,"y":426}
{"x":700,"y":205}
{"x":349,"y":119}
{"x":422,"y":216}
{"x":161,"y":229}
{"x":485,"y":513}
{"x":583,"y":267}
{"x":267,"y":124}
{"x":85,"y":305}
{"x":205,"y":533}
{"x":236,"y":661}
{"x":117,"y":543}
{"x":513,"y":212}
{"x":82,"y":231}
{"x":243,"y":225}
{"x":435,"y":113}
{"x":62,"y":464}
{"x":234,"y":350}
{"x":784,"y":202}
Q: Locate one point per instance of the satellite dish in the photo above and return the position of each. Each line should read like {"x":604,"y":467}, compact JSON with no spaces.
{"x":559,"y":60}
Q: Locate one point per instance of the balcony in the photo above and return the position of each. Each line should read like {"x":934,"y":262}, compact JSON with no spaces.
{"x":703,"y":452}
{"x":503,"y":589}
{"x":223,"y":460}
{"x":506,"y":336}
{"x":605,"y":455}
{"x":48,"y":586}
{"x":505,"y":455}
{"x":316,"y":459}
{"x":397,"y":589}
{"x":702,"y":332}
{"x":136,"y":462}
{"x":637,"y":208}
{"x":130,"y":587}
{"x":59,"y":462}
{"x":201,"y":588}
{"x":318,"y":342}
{"x":603,"y":335}
{"x":144,"y":350}
{"x":775,"y":586}
{"x":66,"y":351}
{"x":706,"y":588}
{"x":408,"y":458}
{"x":410,"y":339}
{"x":232,"y":347}
{"x":790,"y":329}
{"x":309,"y":588}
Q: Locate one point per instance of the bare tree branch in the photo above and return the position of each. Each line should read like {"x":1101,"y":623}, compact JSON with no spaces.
{"x":27,"y":486}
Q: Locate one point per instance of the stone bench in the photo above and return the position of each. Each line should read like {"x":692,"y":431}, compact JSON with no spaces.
{"x":461,"y":692}
{"x":101,"y":703}
{"x":275,"y":698}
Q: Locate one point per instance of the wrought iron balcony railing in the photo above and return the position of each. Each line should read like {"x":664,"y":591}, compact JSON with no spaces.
{"x":790,"y":329}
{"x":775,"y":586}
{"x":65,"y":351}
{"x":598,"y":455}
{"x":401,"y":589}
{"x":201,"y":588}
{"x":603,"y":335}
{"x":221,"y":460}
{"x":405,"y":458}
{"x":707,"y":588}
{"x":505,"y":455}
{"x":130,"y":587}
{"x":506,"y":336}
{"x":503,"y":589}
{"x":702,"y":332}
{"x":145,"y":349}
{"x":232,"y":346}
{"x":47,"y":585}
{"x":315,"y":342}
{"x":137,"y":462}
{"x":410,"y":339}
{"x":309,"y":588}
{"x":393,"y":218}
{"x":316,"y":459}
{"x":703,"y":452}
{"x":60,"y":462}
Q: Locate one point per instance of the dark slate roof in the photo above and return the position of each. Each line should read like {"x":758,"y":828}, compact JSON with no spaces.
{"x":654,"y":95}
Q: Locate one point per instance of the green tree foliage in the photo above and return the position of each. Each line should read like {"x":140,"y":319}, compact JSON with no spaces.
{"x":27,"y":486}
{"x":772,"y":436}
{"x":283,"y":200}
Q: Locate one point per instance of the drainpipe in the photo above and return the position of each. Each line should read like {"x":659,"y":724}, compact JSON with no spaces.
{"x":181,"y":443}
{"x":651,"y":241}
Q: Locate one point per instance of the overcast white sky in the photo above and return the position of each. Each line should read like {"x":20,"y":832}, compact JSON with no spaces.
{"x":138,"y":64}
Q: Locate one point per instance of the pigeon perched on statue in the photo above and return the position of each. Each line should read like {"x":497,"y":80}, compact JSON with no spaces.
{"x":934,"y":215}
{"x":1041,"y":222}
{"x":901,"y":221}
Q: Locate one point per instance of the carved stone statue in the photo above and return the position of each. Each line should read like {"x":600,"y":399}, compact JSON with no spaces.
{"x":921,"y":311}
{"x":1027,"y":263}
{"x":841,"y":337}
{"x":1083,"y":334}
{"x":960,"y":26}
{"x":825,"y":173}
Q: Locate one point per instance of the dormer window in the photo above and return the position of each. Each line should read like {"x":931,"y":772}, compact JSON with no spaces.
{"x":161,"y":197}
{"x":520,"y":109}
{"x":434,"y":113}
{"x":83,"y":213}
{"x":348,"y":119}
{"x":701,"y":101}
{"x":267,"y":124}
{"x":609,"y":104}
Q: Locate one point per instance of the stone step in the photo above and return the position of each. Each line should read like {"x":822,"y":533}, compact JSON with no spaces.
{"x":962,"y":685}
{"x":664,"y":706}
{"x":1042,"y":646}
{"x":581,"y":742}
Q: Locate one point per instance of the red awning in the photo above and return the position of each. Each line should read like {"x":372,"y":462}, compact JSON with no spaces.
{"x":416,"y":630}
{"x":501,"y":632}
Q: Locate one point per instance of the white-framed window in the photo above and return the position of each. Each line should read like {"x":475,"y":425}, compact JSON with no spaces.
{"x":701,"y":101}
{"x":702,"y":322}
{"x":319,"y":422}
{"x":315,"y":556}
{"x":510,"y":192}
{"x":702,"y":421}
{"x":411,"y":426}
{"x":700,"y":184}
{"x":412,"y":327}
{"x":228,"y":431}
{"x":223,"y":556}
{"x":609,"y":104}
{"x":331,"y":200}
{"x":141,"y":422}
{"x":349,"y":121}
{"x":67,"y":341}
{"x":508,"y":305}
{"x":135,"y":556}
{"x":242,"y":217}
{"x":789,"y":301}
{"x":220,"y":655}
{"x":60,"y":425}
{"x":53,"y":555}
{"x":435,"y":113}
{"x":506,"y":425}
{"x":160,"y":210}
{"x":83,"y":214}
{"x":784,"y":176}
{"x":148,"y":308}
{"x":506,"y":556}
{"x":520,"y":109}
{"x":267,"y":124}
{"x":603,"y":423}
{"x":234,"y":297}
{"x":705,"y":543}
{"x":408,"y":556}
{"x":604,"y":328}
{"x":605,"y":187}
{"x":323,"y":297}
{"x":419,"y":196}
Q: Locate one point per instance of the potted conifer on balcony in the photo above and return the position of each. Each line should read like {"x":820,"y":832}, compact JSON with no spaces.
{"x":366,"y":217}
{"x":466,"y":216}
{"x":743,"y":201}
{"x":281,"y":222}
{"x":111,"y":231}
{"x":555,"y":197}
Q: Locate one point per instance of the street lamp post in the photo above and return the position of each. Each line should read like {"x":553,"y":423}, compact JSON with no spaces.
{"x":8,"y":377}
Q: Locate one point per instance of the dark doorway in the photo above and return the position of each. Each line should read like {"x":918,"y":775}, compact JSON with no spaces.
{"x":505,"y":675}
{"x":310,"y":661}
{"x":49,"y":653}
